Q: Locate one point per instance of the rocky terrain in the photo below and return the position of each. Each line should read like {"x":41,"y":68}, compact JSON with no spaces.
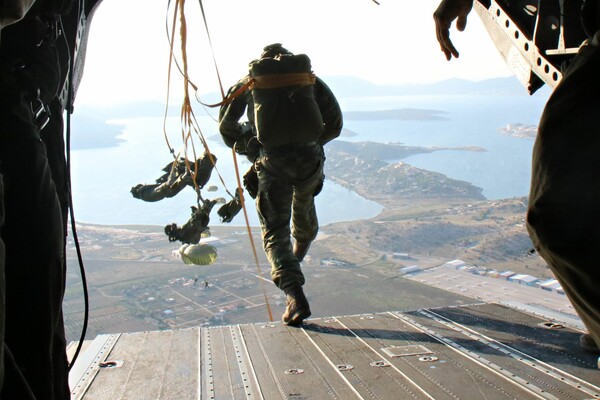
{"x":136,"y":282}
{"x":428,"y":213}
{"x":362,"y":167}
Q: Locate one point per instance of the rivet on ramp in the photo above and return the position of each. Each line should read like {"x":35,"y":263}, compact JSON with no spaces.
{"x":551,"y":325}
{"x":345,"y":367}
{"x":110,"y":364}
{"x":380,"y":363}
{"x":294,"y":371}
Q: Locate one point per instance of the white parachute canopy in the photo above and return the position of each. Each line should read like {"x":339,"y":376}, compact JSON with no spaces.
{"x":198,"y":254}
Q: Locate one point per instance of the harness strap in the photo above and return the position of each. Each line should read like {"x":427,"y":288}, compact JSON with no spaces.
{"x":273,"y":81}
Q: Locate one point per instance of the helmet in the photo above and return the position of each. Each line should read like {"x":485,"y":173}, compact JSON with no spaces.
{"x":273,"y":50}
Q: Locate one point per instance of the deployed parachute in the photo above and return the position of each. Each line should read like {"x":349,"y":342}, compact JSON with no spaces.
{"x":198,"y":254}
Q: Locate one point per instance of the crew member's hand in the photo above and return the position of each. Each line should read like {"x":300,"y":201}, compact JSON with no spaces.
{"x":446,"y":13}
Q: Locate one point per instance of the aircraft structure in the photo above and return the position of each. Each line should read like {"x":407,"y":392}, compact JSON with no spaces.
{"x":482,"y":350}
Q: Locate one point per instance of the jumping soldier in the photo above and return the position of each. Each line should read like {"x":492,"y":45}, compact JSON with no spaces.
{"x":176,"y":177}
{"x":294,"y":114}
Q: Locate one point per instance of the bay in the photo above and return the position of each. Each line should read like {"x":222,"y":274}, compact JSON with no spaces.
{"x":103,"y":177}
{"x":503,"y":170}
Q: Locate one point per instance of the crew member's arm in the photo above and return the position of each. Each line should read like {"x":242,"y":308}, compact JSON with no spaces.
{"x":330,"y":111}
{"x":230,"y":114}
{"x":446,"y":13}
{"x":12,"y":11}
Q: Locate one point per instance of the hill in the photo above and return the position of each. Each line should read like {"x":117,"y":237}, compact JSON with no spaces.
{"x":91,"y":130}
{"x":136,"y":282}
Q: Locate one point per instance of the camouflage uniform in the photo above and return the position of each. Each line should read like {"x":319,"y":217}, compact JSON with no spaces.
{"x":34,"y":63}
{"x":564,"y":202}
{"x":289,"y":177}
{"x":33,"y":231}
{"x":176,"y":178}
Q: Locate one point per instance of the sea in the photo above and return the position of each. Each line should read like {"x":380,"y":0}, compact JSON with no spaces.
{"x":103,"y":177}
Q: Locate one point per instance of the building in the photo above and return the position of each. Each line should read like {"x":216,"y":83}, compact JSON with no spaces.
{"x":455,"y":264}
{"x":524,"y":279}
{"x":408,"y":270}
{"x":403,"y":256}
{"x":506,"y":275}
{"x":334,"y":262}
{"x":551,"y":285}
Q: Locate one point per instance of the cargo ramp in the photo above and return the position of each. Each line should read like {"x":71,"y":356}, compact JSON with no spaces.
{"x":475,"y":351}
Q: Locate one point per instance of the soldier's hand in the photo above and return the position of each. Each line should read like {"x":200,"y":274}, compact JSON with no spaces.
{"x":240,"y":147}
{"x":446,"y":13}
{"x":252,"y":148}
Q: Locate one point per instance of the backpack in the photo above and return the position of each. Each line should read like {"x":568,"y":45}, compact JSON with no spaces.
{"x":285,"y":108}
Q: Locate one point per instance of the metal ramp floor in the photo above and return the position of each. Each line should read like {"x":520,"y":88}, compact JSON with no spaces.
{"x":479,"y":351}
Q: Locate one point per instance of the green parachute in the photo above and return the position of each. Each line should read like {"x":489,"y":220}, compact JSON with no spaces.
{"x":198,"y":254}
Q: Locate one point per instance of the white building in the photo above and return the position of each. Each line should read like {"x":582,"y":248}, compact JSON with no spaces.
{"x":408,"y":270}
{"x":455,"y":264}
{"x":524,"y":279}
{"x":551,"y":285}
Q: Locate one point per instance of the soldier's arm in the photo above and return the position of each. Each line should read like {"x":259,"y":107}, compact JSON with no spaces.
{"x":230,"y":114}
{"x":330,"y":111}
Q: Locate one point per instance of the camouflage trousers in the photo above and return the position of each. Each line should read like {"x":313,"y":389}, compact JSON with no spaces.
{"x":564,"y":201}
{"x":32,"y":237}
{"x":289,"y":178}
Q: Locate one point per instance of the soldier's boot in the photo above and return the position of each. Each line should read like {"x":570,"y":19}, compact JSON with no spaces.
{"x":297,"y":309}
{"x":587,"y":343}
{"x":300,"y":249}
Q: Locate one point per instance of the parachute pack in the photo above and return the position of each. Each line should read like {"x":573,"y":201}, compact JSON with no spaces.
{"x":285,"y":108}
{"x":198,"y":254}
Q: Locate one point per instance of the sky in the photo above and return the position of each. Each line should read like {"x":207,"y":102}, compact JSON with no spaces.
{"x":391,"y":43}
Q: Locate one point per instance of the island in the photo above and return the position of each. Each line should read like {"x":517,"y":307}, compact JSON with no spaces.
{"x":519,"y":130}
